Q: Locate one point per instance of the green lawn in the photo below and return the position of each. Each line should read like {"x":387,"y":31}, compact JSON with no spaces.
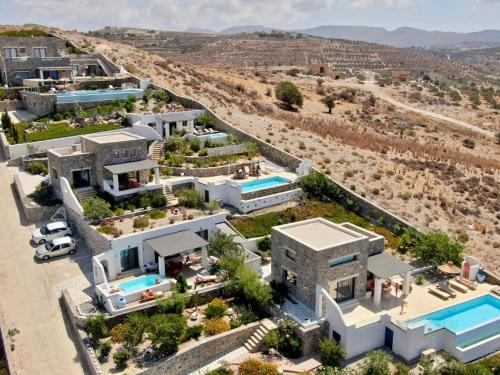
{"x":62,"y":129}
{"x":261,"y":225}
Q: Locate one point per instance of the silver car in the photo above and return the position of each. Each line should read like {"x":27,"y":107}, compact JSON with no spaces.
{"x":56,"y":247}
{"x":50,"y":231}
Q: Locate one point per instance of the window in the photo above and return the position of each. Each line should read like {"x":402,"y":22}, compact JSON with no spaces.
{"x":124,"y":153}
{"x":22,"y":50}
{"x":54,"y":173}
{"x":184,"y":123}
{"x":10,"y":53}
{"x":129,"y":258}
{"x":19,"y":76}
{"x":342,"y":260}
{"x":345,"y":289}
{"x":290,"y":277}
{"x":81,"y":179}
{"x":116,"y":154}
{"x":290,"y":254}
{"x":132,"y":152}
{"x":40,"y":52}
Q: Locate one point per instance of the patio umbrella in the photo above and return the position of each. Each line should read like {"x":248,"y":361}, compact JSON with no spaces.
{"x":449,"y":268}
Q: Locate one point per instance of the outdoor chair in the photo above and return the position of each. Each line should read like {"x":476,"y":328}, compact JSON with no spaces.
{"x":443,"y":285}
{"x":459,"y":287}
{"x":469,"y":284}
{"x":496,"y":290}
{"x":438,"y":293}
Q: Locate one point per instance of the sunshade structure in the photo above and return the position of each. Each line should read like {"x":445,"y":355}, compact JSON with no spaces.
{"x":174,"y":244}
{"x":132,"y":166}
{"x":449,"y":268}
{"x":384,"y":266}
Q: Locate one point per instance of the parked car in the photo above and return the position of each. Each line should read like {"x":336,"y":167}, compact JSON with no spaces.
{"x":56,"y":247}
{"x":50,"y":231}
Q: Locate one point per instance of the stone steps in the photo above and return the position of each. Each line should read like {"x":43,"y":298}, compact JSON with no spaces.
{"x":85,"y":195}
{"x":254,"y":343}
{"x":169,"y":195}
{"x":157,"y":150}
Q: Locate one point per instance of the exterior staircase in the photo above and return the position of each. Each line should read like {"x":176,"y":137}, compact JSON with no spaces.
{"x":157,"y":150}
{"x":85,"y":195}
{"x":171,"y":199}
{"x":254,"y":343}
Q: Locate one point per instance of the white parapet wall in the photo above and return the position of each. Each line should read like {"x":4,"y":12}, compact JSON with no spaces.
{"x":269,"y":200}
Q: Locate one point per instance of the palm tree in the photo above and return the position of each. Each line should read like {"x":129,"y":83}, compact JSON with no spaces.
{"x":329,"y":102}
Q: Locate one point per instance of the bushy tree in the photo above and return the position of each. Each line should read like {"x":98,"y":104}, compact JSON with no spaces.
{"x":289,"y":94}
{"x":377,"y":363}
{"x":264,"y":244}
{"x":161,"y":96}
{"x":318,"y":186}
{"x":329,"y":101}
{"x":6,"y":122}
{"x":438,"y":247}
{"x":96,"y":209}
{"x":212,"y":206}
{"x":284,"y":338}
{"x":95,"y":327}
{"x":165,"y":332}
{"x":174,"y":304}
{"x":251,"y":150}
{"x":121,"y":358}
{"x":332,"y":352}
{"x":223,"y":244}
{"x":134,"y":328}
{"x":190,"y":198}
{"x":181,"y":284}
{"x":207,"y":119}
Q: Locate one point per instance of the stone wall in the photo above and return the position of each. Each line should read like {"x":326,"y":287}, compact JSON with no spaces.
{"x":229,"y":149}
{"x":10,"y":105}
{"x":269,"y":191}
{"x":39,"y":104}
{"x":199,"y":353}
{"x":311,"y":336}
{"x":64,"y":166}
{"x":33,"y":212}
{"x":96,"y":242}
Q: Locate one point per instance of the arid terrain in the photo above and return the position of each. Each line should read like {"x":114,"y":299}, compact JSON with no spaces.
{"x":437,"y":173}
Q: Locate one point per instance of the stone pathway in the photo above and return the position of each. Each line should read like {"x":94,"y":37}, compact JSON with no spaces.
{"x":79,"y":288}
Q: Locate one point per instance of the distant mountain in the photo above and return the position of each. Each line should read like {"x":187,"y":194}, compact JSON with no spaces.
{"x":197,"y":30}
{"x":246,"y":29}
{"x":403,"y":36}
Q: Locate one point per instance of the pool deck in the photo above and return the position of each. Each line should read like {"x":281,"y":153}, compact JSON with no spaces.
{"x":419,"y":302}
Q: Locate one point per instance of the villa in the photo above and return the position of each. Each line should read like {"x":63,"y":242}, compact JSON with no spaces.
{"x":116,"y":162}
{"x":338,"y":274}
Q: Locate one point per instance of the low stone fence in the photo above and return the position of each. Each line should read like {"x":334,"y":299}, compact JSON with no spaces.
{"x":312,"y":335}
{"x":203,"y":351}
{"x":210,"y":171}
{"x":10,"y":105}
{"x":229,"y":149}
{"x":30,"y":160}
{"x":269,"y":191}
{"x":33,"y":212}
{"x":86,"y":353}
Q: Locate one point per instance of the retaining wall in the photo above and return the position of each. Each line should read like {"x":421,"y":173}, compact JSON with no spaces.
{"x":209,"y":171}
{"x":33,"y":212}
{"x":10,"y":105}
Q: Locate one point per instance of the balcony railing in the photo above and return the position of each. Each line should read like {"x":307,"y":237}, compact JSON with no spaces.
{"x":108,"y":187}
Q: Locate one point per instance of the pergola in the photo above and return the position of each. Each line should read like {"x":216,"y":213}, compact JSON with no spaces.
{"x":118,"y":169}
{"x":177,"y":243}
{"x":384,"y":266}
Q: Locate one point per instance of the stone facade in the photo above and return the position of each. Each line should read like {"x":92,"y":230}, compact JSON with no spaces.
{"x":311,"y":337}
{"x":61,"y":165}
{"x":39,"y":104}
{"x":269,"y":191}
{"x":311,"y":266}
{"x":26,"y":60}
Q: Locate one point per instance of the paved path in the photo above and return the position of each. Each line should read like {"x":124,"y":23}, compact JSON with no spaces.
{"x":27,"y":300}
{"x":379,"y":93}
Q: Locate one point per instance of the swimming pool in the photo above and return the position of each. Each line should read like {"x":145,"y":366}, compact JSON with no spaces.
{"x":461,"y":317}
{"x":218,"y":135}
{"x":263,"y":183}
{"x":97,"y":95}
{"x":140,"y":283}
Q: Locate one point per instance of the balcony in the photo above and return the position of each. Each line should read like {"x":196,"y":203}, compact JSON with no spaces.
{"x":131,"y":178}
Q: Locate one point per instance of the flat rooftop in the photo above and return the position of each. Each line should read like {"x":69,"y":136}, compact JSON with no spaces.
{"x":120,"y":136}
{"x":319,"y":233}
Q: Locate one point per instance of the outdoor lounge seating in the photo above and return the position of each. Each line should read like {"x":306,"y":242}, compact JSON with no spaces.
{"x":202,"y":279}
{"x":469,"y":284}
{"x":443,"y":285}
{"x":191,"y":259}
{"x":438,"y":293}
{"x":459,"y":287}
{"x":148,"y":295}
{"x":496,"y":290}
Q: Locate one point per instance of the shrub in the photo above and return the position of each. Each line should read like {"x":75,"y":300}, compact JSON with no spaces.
{"x":141,"y":222}
{"x":194,"y":144}
{"x":437,"y":248}
{"x":206,"y":119}
{"x":271,"y":341}
{"x":469,"y":143}
{"x":212,"y":206}
{"x":96,"y":209}
{"x":95,"y":327}
{"x":135,"y":326}
{"x":182,"y":285}
{"x":203,"y":152}
{"x":121,"y":358}
{"x":156,"y":214}
{"x":190,"y":198}
{"x":377,"y":363}
{"x":289,"y":342}
{"x":223,"y":245}
{"x":216,"y":308}
{"x":257,"y":367}
{"x":419,"y":279}
{"x":289,"y":94}
{"x":329,"y":102}
{"x":165,"y":332}
{"x":37,"y":168}
{"x":105,"y":349}
{"x":332,"y":352}
{"x":215,"y":326}
{"x":117,"y":333}
{"x":402,"y":369}
{"x":43,"y":195}
{"x":251,"y":150}
{"x":193,"y":332}
{"x":221,"y":371}
{"x":264,"y":244}
{"x":161,"y":96}
{"x":316,"y":185}
{"x":174,"y":304}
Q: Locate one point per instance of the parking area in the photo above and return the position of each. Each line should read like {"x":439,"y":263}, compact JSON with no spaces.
{"x":29,"y":293}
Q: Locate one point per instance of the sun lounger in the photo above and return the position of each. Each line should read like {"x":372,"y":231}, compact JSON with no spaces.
{"x":469,"y":284}
{"x":438,"y":293}
{"x":459,"y":287}
{"x":206,"y":131}
{"x":212,"y":131}
{"x":496,"y":290}
{"x":446,"y":288}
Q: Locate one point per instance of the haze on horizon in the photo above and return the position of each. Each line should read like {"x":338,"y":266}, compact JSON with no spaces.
{"x":84,"y":15}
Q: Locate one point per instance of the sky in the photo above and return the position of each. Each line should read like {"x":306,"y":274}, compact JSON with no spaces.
{"x":85,"y":15}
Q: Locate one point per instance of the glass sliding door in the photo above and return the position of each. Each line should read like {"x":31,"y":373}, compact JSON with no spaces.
{"x":345,"y":289}
{"x":129,"y":258}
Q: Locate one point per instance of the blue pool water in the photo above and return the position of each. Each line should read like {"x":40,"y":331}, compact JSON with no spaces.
{"x":218,"y":135}
{"x":97,"y":95}
{"x":140,"y":283}
{"x":461,"y":317}
{"x":263,"y":183}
